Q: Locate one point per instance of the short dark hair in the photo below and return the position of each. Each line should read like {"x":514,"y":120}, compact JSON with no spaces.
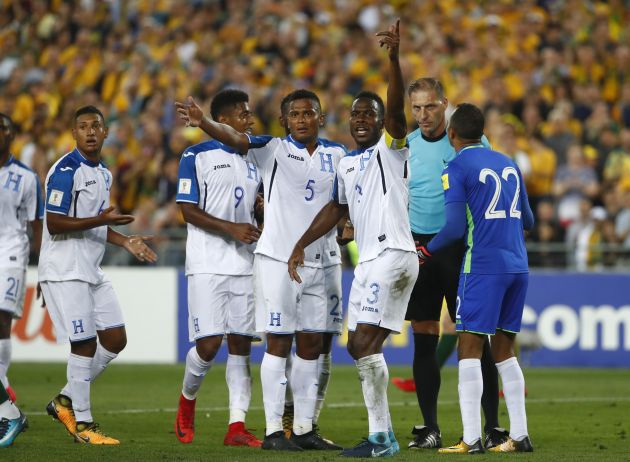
{"x":225,"y":99}
{"x":294,"y":96}
{"x":88,"y":110}
{"x":427,"y":84}
{"x":468,"y":122}
{"x":374,"y":97}
{"x":5,"y":116}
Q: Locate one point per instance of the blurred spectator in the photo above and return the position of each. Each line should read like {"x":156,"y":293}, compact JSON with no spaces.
{"x":548,"y":236}
{"x":574,"y":180}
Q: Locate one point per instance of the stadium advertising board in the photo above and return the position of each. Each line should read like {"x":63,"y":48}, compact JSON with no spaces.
{"x":148,"y":300}
{"x":570,"y":319}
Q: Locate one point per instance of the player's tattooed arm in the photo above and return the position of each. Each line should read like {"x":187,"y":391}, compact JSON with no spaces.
{"x":193,"y":116}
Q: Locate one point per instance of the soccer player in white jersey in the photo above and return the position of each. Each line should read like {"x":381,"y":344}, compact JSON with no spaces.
{"x":372,"y":186}
{"x":20,"y":206}
{"x":298,"y":173}
{"x":217,"y":195}
{"x":80,"y":300}
{"x":334,"y":323}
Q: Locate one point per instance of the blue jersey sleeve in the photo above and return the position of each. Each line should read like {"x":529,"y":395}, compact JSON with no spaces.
{"x":59,"y":190}
{"x":453,"y":183}
{"x":454,"y":228}
{"x":526,"y":211}
{"x":39,"y":213}
{"x":187,"y":184}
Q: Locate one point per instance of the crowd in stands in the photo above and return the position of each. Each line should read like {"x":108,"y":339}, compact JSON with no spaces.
{"x":553,"y":78}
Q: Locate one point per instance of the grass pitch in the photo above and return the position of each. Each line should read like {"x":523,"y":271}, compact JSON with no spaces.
{"x":573,"y":415}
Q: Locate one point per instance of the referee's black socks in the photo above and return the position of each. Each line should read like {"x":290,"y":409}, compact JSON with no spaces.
{"x":426,"y":373}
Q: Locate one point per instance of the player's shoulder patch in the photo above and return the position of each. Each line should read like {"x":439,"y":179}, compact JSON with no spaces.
{"x":394,"y":143}
{"x":56,"y":197}
{"x":184,"y":186}
{"x":445,"y":184}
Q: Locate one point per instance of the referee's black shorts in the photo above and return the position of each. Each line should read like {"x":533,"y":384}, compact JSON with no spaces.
{"x":438,"y":279}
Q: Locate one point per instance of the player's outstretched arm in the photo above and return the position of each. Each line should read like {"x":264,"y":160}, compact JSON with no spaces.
{"x":58,"y":223}
{"x":395,"y":121}
{"x":191,"y":113}
{"x":453,"y":230}
{"x":135,"y":245}
{"x":242,"y":232}
{"x":324,"y":221}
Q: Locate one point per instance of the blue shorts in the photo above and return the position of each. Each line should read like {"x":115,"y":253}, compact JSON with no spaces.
{"x":487,"y":302}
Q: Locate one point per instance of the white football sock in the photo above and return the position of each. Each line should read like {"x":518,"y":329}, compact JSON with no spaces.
{"x":304,"y":385}
{"x":101,"y":359}
{"x":274,"y":384}
{"x":239,"y":381}
{"x":196,"y":370}
{"x":5,"y":360}
{"x":374,"y":377}
{"x":8,"y":410}
{"x":288,"y":397}
{"x":470,"y":390}
{"x":79,"y":380}
{"x":323,"y":371}
{"x":514,"y":391}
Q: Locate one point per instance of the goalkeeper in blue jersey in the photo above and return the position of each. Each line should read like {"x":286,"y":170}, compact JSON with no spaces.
{"x":486,"y":203}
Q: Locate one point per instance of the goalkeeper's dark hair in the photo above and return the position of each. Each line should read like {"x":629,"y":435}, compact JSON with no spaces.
{"x":88,"y":110}
{"x":374,"y":97}
{"x":468,"y":122}
{"x":299,"y":94}
{"x":226,"y":99}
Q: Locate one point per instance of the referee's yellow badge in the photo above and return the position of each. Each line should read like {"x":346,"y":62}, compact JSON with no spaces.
{"x":445,"y":181}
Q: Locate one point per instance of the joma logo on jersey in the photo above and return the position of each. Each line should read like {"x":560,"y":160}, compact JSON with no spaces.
{"x":351,"y":169}
{"x":371,"y":309}
{"x":217,"y":167}
{"x":292,"y":156}
{"x":88,"y":183}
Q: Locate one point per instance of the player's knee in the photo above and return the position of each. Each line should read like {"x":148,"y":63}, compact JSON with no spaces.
{"x":425,"y":327}
{"x":6,"y":319}
{"x":208,"y":347}
{"x":113,"y":340}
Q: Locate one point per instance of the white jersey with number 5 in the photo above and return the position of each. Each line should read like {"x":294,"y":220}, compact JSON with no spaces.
{"x":374,"y":184}
{"x":297,"y":186}
{"x":223,"y":184}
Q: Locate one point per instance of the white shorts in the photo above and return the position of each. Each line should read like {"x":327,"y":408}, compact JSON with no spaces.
{"x":220,"y":304}
{"x":78,"y":309}
{"x":283,"y":306}
{"x":334,"y":318}
{"x":381,"y":290}
{"x":12,"y":290}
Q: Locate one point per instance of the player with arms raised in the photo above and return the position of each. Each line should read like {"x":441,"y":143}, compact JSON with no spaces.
{"x":372,"y":186}
{"x":217,"y":194}
{"x":80,"y":299}
{"x":486,"y":200}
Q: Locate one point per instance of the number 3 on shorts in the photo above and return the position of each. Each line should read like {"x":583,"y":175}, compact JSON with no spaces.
{"x":375,"y":288}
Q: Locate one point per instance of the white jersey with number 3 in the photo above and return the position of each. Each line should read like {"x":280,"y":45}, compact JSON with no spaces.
{"x":297,"y":186}
{"x":374,"y":184}
{"x":223,"y":184}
